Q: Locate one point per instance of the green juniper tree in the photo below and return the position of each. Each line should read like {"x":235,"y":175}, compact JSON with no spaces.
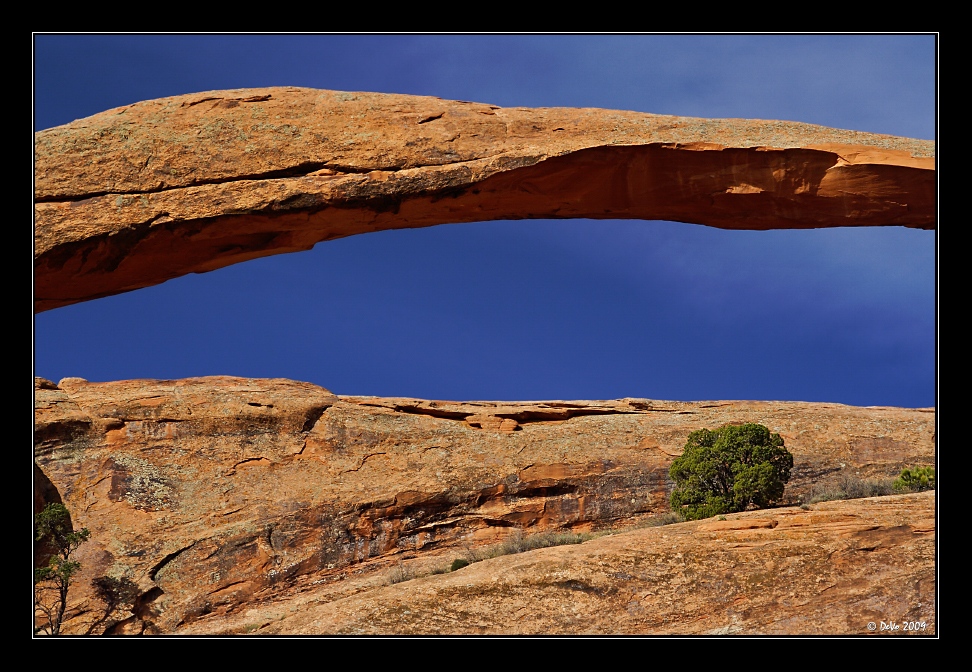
{"x":729,"y":469}
{"x":51,"y":582}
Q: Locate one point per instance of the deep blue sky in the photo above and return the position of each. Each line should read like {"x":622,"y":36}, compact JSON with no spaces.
{"x":523,"y":310}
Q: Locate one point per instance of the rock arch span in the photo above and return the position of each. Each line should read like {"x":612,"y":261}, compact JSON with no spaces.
{"x":140,"y":194}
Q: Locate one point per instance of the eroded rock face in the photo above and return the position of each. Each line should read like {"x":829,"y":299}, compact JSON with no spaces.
{"x":829,"y":570}
{"x":212,"y":495}
{"x":140,"y":194}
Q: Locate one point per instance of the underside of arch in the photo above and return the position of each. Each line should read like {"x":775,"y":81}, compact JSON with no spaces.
{"x":141,"y":194}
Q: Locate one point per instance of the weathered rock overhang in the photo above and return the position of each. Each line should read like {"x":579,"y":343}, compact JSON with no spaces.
{"x":141,"y":194}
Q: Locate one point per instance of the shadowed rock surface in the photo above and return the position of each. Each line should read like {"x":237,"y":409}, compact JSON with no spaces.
{"x":144,"y":193}
{"x":225,"y":500}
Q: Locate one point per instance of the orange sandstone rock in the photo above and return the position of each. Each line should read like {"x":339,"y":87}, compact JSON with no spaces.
{"x":830,"y":570}
{"x":220,"y":496}
{"x":244,"y":505}
{"x":140,"y":194}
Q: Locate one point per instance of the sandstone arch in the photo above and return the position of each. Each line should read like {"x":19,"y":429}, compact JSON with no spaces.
{"x":137,"y":195}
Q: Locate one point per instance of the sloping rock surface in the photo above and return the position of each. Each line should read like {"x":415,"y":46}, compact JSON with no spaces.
{"x":214,"y":496}
{"x":829,"y":570}
{"x":140,"y":194}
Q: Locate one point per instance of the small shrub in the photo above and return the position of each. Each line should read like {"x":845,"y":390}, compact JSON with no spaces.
{"x":517,"y":543}
{"x":458,"y":563}
{"x":668,"y":518}
{"x":850,"y":487}
{"x":400,"y":573}
{"x":730,"y":469}
{"x":520,"y":544}
{"x":915,"y":480}
{"x":512,"y":545}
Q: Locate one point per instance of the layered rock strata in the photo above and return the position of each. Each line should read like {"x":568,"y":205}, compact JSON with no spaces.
{"x":143,"y":193}
{"x":212,"y":495}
